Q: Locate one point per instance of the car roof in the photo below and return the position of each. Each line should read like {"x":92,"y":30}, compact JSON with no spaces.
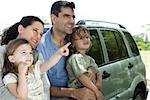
{"x":96,"y":23}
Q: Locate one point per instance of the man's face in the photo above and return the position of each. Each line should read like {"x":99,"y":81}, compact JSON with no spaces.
{"x":65,"y":21}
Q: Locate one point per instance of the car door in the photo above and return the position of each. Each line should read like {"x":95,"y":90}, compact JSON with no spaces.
{"x":111,"y":55}
{"x":116,"y":65}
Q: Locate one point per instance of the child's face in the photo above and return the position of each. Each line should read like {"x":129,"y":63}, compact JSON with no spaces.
{"x":82,"y":42}
{"x":22,"y":54}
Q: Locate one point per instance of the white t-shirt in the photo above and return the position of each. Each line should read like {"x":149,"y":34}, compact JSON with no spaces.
{"x":34,"y":83}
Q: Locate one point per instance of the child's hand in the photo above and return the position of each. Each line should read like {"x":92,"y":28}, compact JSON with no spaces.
{"x":91,"y":75}
{"x":64,"y":51}
{"x":22,"y":68}
{"x":99,"y":95}
{"x":99,"y":83}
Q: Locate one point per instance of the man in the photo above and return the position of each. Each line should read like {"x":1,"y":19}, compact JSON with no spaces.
{"x":62,"y":18}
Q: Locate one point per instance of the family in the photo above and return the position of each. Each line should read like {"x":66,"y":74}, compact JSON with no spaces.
{"x":49,"y":66}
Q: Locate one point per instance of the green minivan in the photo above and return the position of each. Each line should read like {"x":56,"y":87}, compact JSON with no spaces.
{"x":119,"y":60}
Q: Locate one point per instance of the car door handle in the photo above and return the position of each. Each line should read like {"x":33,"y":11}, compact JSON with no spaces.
{"x":105,"y":75}
{"x":130,"y":65}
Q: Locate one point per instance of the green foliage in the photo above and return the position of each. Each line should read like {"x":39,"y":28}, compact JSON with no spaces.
{"x":142,"y":45}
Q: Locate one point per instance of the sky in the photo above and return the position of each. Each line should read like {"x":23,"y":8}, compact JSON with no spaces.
{"x":130,"y":13}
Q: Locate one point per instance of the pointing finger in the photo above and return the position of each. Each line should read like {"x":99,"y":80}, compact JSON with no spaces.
{"x":66,"y":45}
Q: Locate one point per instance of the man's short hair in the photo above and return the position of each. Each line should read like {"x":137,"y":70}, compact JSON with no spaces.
{"x":56,"y":6}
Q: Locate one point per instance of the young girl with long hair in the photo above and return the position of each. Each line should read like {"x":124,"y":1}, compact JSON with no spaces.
{"x":21,"y":75}
{"x":82,"y":69}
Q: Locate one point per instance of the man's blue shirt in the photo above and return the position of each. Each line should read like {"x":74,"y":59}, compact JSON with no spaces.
{"x":57,"y":75}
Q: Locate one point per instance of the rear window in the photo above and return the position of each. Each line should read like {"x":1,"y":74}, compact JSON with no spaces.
{"x":115,"y":45}
{"x":131,"y":44}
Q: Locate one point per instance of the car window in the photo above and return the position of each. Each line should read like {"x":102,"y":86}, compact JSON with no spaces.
{"x":131,"y":43}
{"x":115,"y":45}
{"x":46,"y":29}
{"x":96,"y":50}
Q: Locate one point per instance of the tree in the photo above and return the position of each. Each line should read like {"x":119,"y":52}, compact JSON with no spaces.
{"x":141,"y":42}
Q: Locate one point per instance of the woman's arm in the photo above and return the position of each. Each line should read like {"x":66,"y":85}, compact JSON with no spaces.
{"x":63,"y":51}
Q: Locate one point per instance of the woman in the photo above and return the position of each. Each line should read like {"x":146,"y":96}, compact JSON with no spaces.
{"x":30,"y":28}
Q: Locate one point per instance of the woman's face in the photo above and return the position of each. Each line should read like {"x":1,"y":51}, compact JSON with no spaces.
{"x":31,"y":33}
